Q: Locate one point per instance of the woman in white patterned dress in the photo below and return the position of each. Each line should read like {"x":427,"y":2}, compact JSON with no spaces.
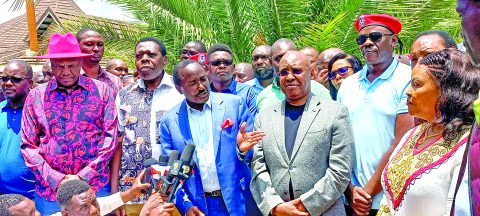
{"x":420,"y":177}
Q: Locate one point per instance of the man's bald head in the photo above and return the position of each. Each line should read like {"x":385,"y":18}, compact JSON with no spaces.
{"x":311,"y":52}
{"x":117,"y":67}
{"x":295,"y":76}
{"x":23,"y":65}
{"x":279,"y":48}
{"x":263,"y":49}
{"x":328,"y":54}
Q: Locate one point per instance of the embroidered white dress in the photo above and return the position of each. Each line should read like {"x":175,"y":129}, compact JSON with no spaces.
{"x":421,"y":181}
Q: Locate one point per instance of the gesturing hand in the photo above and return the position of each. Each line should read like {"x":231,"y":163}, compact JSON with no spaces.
{"x":246,"y":140}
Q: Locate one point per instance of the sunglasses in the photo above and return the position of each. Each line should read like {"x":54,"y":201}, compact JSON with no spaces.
{"x":295,"y":71}
{"x":374,"y":36}
{"x":341,"y":71}
{"x":12,"y":79}
{"x":219,"y":62}
{"x":189,"y":52}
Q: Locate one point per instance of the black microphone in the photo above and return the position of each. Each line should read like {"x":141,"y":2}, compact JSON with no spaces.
{"x":181,"y":169}
{"x":163,"y":160}
{"x":173,"y":156}
{"x":148,"y":164}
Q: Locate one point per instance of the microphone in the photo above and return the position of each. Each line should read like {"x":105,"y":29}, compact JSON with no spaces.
{"x":148,"y":164}
{"x":163,"y":160}
{"x":181,"y":170}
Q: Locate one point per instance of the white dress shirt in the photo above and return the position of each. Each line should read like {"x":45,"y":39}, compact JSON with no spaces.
{"x":202,"y":134}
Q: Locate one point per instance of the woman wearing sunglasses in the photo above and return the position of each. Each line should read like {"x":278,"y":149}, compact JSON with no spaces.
{"x":339,"y":68}
{"x":421,"y":175}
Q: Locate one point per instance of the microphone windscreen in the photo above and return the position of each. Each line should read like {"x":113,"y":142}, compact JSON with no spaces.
{"x":163,"y":160}
{"x":187,"y":153}
{"x":149,"y":162}
{"x":173,"y":157}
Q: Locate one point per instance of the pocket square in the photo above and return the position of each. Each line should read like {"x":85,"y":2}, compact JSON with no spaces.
{"x":227,"y":123}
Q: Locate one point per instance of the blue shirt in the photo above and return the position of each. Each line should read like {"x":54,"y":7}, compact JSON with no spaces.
{"x":15,"y":177}
{"x":373,"y":108}
{"x":243,"y":90}
{"x":256,"y":85}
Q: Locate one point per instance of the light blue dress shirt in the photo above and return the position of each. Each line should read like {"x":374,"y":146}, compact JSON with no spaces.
{"x":373,"y":108}
{"x":201,"y":128}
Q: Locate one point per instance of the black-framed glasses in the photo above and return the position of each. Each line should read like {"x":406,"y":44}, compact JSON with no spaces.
{"x":5,"y":79}
{"x":341,"y":71}
{"x":374,"y":36}
{"x":295,"y":71}
{"x":219,"y":62}
{"x":188,"y":52}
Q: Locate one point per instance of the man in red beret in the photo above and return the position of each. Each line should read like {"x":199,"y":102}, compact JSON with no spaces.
{"x":377,"y":103}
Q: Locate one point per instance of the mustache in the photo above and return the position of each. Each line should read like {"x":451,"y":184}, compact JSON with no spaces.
{"x":201,"y":92}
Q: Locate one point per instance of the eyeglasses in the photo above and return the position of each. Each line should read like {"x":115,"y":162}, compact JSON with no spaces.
{"x":374,"y":36}
{"x":12,"y":79}
{"x":341,"y":71}
{"x":295,"y":71}
{"x":189,"y":52}
{"x":219,"y":62}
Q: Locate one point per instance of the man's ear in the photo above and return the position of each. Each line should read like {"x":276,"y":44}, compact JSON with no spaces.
{"x":64,"y":212}
{"x":394,"y":40}
{"x":30,"y":84}
{"x":165,"y":60}
{"x":179,"y":89}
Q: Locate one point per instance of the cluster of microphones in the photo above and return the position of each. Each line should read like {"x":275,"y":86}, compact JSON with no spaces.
{"x":166,"y":174}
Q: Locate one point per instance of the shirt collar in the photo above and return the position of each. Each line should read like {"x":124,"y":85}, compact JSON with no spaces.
{"x":231,"y":88}
{"x":53,"y":85}
{"x":206,"y":105}
{"x":166,"y":81}
{"x":257,"y":84}
{"x":101,"y":72}
{"x":385,"y":75}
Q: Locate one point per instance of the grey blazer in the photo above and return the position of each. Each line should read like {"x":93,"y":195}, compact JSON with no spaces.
{"x":321,"y":161}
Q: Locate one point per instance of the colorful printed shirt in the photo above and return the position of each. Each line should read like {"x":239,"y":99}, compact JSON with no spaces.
{"x":69,"y":133}
{"x":139,"y":114}
{"x":111,"y":80}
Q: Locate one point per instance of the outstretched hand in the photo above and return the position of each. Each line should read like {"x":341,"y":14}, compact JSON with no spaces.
{"x":246,"y":140}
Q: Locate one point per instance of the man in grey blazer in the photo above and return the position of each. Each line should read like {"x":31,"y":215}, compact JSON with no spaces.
{"x":303,"y":164}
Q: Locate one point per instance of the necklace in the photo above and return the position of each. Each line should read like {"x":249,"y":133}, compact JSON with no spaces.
{"x":425,"y":137}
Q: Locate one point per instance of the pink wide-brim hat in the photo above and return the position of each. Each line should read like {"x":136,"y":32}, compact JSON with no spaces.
{"x":63,"y":46}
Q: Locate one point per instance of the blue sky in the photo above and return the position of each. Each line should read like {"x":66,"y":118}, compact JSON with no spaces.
{"x":92,"y":7}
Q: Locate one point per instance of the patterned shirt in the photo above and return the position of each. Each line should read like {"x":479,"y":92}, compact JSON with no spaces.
{"x":69,"y":133}
{"x":139,"y":114}
{"x":111,"y":80}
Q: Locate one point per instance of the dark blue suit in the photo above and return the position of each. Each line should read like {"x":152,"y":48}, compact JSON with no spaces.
{"x":175,"y":134}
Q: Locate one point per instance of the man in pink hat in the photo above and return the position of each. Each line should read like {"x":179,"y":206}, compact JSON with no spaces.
{"x":377,"y":104}
{"x":69,"y":126}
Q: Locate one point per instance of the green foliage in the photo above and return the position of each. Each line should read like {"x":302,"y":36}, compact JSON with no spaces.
{"x":245,"y":24}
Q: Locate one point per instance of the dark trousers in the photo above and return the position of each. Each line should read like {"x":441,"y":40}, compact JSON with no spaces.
{"x":350,"y":212}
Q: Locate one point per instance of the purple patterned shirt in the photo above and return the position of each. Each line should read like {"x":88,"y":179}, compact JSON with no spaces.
{"x":69,"y":133}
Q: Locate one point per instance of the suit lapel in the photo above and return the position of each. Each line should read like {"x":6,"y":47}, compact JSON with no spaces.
{"x":183,"y":124}
{"x":278,"y":120}
{"x":218,"y":115}
{"x":309,"y":114}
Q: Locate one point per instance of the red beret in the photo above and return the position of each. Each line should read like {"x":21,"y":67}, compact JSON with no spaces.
{"x":201,"y":58}
{"x":387,"y":21}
